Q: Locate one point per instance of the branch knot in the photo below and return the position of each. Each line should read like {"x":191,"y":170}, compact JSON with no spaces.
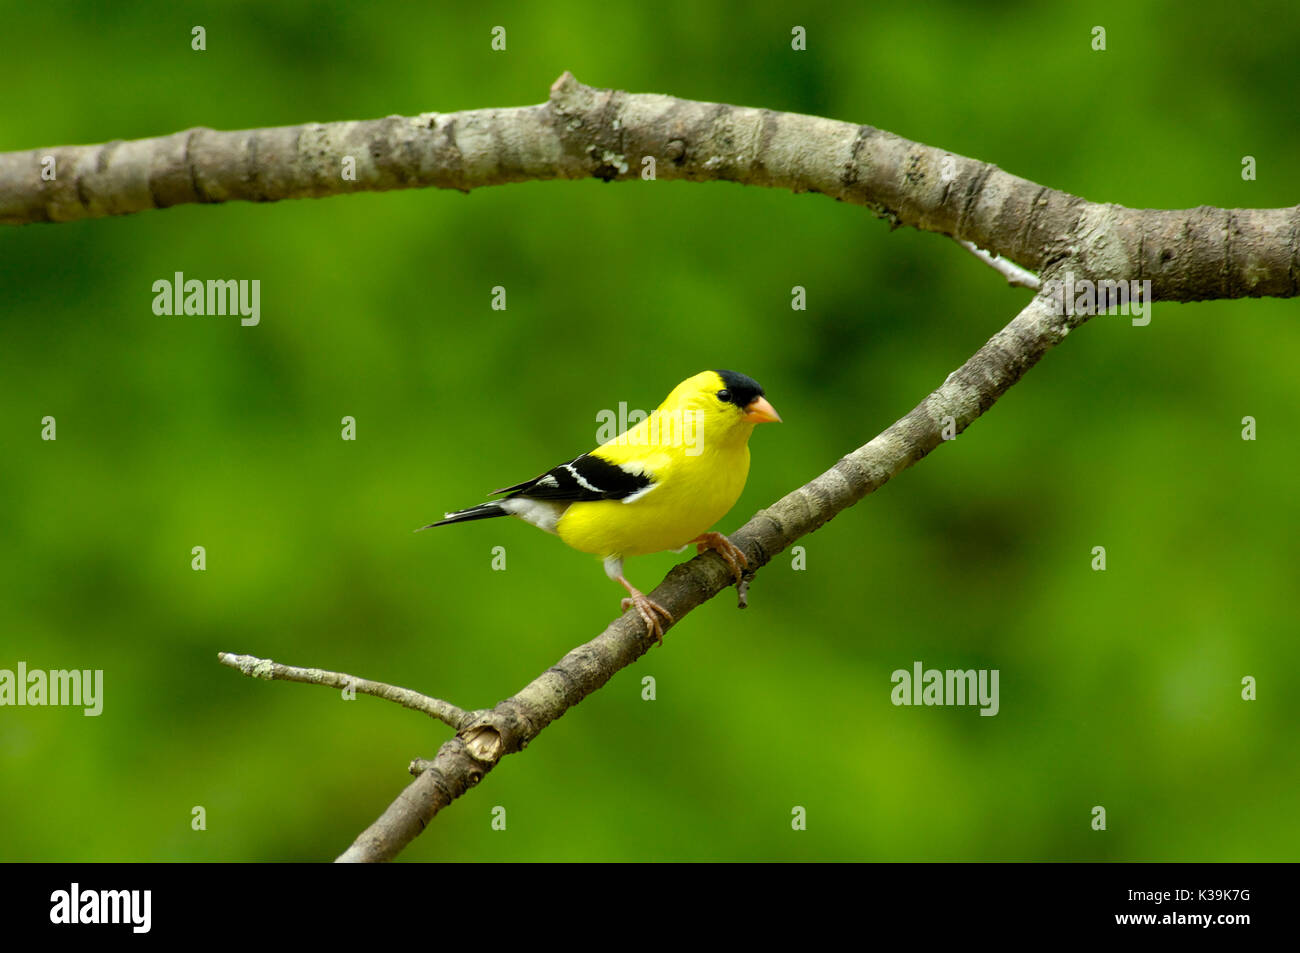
{"x":485,"y":739}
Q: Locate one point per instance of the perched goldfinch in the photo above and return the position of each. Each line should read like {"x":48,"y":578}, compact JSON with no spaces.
{"x":660,"y":485}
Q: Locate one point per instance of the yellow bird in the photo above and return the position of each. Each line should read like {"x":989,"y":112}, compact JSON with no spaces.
{"x":660,"y":485}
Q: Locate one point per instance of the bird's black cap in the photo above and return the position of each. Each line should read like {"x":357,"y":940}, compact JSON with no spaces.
{"x":742,"y":389}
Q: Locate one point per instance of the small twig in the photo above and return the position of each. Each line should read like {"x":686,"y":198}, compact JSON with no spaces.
{"x":419,"y":766}
{"x":255,"y":667}
{"x":1016,"y":276}
{"x":742,"y":589}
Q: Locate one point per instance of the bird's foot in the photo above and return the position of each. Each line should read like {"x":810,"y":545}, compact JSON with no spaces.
{"x":732,"y":554}
{"x":650,"y":612}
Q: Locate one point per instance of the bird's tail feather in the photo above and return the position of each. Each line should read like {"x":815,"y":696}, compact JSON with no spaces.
{"x":484,"y":511}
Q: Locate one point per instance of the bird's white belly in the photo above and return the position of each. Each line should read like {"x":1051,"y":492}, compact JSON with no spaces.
{"x":544,"y":514}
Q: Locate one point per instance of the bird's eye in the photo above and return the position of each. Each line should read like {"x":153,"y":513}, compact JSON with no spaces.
{"x":724,"y":395}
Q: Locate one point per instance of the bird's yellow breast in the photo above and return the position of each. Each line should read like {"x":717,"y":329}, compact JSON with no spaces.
{"x":691,"y":494}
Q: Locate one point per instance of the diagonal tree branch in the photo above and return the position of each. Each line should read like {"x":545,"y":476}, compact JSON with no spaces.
{"x":581,"y":132}
{"x":487,"y":736}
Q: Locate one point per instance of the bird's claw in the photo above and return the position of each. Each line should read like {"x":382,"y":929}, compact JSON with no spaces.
{"x":649,"y":611}
{"x":731,"y":554}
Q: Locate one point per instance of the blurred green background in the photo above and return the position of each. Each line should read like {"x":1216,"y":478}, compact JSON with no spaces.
{"x":1119,"y":689}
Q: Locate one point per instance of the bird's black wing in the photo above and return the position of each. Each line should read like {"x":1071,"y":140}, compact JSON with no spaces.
{"x":581,"y":479}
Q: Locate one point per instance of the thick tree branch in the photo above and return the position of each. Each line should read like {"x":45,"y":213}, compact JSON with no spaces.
{"x":508,"y":727}
{"x":580,"y":132}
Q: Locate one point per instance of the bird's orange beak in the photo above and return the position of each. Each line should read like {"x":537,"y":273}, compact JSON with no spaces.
{"x":759,"y":411}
